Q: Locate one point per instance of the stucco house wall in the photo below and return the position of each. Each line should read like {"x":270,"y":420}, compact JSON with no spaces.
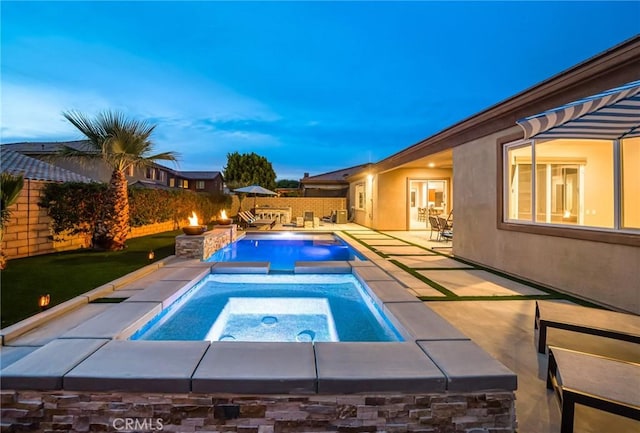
{"x":605,"y":272}
{"x":391,"y":202}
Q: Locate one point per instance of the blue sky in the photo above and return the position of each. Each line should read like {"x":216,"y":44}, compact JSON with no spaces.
{"x":312,"y":86}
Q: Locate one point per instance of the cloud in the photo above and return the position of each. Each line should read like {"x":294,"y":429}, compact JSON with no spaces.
{"x":34,"y":95}
{"x":34,"y":112}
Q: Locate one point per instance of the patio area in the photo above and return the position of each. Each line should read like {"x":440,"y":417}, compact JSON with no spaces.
{"x":495,"y":311}
{"x":503,"y":326}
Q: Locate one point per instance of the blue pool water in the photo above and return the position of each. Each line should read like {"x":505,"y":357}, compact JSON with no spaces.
{"x":282,"y":251}
{"x":243,"y":307}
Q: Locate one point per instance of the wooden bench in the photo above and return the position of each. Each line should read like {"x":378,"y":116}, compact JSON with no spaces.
{"x":595,"y":381}
{"x":586,"y":320}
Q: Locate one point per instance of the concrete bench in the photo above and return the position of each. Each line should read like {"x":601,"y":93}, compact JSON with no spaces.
{"x":595,"y":381}
{"x":586,"y":320}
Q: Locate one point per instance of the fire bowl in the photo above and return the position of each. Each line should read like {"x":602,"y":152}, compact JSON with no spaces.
{"x":194,"y":230}
{"x":224,"y":221}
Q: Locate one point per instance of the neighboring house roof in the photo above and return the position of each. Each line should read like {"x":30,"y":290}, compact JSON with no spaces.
{"x":199,"y":175}
{"x":46,"y":147}
{"x":31,"y":168}
{"x":52,"y":147}
{"x":333,"y":177}
{"x":148,"y":184}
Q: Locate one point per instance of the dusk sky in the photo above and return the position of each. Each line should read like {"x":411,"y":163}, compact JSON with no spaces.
{"x":311,"y":86}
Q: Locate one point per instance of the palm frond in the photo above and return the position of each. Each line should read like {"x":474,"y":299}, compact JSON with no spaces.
{"x":164,"y":156}
{"x":92,"y":129}
{"x":10,"y":187}
{"x":120,"y":141}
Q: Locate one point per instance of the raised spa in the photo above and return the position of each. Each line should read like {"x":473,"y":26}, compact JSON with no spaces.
{"x":285,"y":308}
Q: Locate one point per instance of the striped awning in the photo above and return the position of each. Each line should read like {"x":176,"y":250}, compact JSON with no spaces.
{"x":611,"y":115}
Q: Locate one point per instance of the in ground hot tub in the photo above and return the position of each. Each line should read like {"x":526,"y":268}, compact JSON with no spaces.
{"x":276,"y":308}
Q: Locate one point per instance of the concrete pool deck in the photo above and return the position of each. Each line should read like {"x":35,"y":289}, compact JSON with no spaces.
{"x":104,"y":359}
{"x":504,"y":328}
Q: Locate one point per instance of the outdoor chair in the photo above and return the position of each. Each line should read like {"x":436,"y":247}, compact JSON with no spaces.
{"x":439,"y":226}
{"x":446,"y":230}
{"x":443,"y":223}
{"x":331,"y":218}
{"x":435,"y":228}
{"x":251,"y":221}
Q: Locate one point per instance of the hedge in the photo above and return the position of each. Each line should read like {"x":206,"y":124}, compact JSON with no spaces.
{"x":77,"y":208}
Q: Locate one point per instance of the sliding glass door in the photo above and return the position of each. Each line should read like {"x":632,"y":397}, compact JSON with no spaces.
{"x":426,"y":196}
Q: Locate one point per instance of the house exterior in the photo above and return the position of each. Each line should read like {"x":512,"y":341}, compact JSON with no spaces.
{"x":198,"y":181}
{"x":154,"y":176}
{"x":562,"y":213}
{"x":330,"y":184}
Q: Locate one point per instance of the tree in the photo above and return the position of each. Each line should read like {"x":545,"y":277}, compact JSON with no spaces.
{"x":121,"y":143}
{"x":10,"y":188}
{"x":287,"y":183}
{"x":249,"y":169}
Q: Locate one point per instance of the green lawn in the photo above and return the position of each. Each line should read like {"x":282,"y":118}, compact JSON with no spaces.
{"x":68,"y":274}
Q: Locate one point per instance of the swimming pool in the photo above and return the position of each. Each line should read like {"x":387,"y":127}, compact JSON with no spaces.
{"x":283,"y":308}
{"x":283,"y":250}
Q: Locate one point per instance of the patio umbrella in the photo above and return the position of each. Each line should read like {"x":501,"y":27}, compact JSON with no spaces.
{"x":255,"y":190}
{"x":610,"y":115}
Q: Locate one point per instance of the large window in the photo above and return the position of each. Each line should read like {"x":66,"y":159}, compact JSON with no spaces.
{"x":573,"y":183}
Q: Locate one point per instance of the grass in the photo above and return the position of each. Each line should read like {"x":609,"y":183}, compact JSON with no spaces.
{"x":68,"y":274}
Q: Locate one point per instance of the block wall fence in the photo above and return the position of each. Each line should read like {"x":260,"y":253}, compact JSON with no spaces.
{"x":320,"y":206}
{"x":28,"y":231}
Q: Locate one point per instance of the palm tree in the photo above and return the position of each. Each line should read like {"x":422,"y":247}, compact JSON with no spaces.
{"x":10,"y":187}
{"x":121,"y":143}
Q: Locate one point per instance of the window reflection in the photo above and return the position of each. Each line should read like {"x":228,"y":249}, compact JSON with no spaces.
{"x":630,"y":189}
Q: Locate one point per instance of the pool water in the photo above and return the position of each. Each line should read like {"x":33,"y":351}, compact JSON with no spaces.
{"x":282,"y":251}
{"x":274,"y":319}
{"x":241,"y":307}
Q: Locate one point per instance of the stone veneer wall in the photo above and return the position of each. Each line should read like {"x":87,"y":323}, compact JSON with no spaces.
{"x":64,"y":411}
{"x":203,"y":246}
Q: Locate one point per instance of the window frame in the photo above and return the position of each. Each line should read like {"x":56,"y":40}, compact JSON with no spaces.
{"x":360,"y":190}
{"x":616,"y":235}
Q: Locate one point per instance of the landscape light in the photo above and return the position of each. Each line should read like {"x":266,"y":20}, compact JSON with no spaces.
{"x":43,"y":302}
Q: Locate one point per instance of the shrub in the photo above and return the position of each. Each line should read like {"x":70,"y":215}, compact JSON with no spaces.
{"x":79,"y":208}
{"x":75,"y":208}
